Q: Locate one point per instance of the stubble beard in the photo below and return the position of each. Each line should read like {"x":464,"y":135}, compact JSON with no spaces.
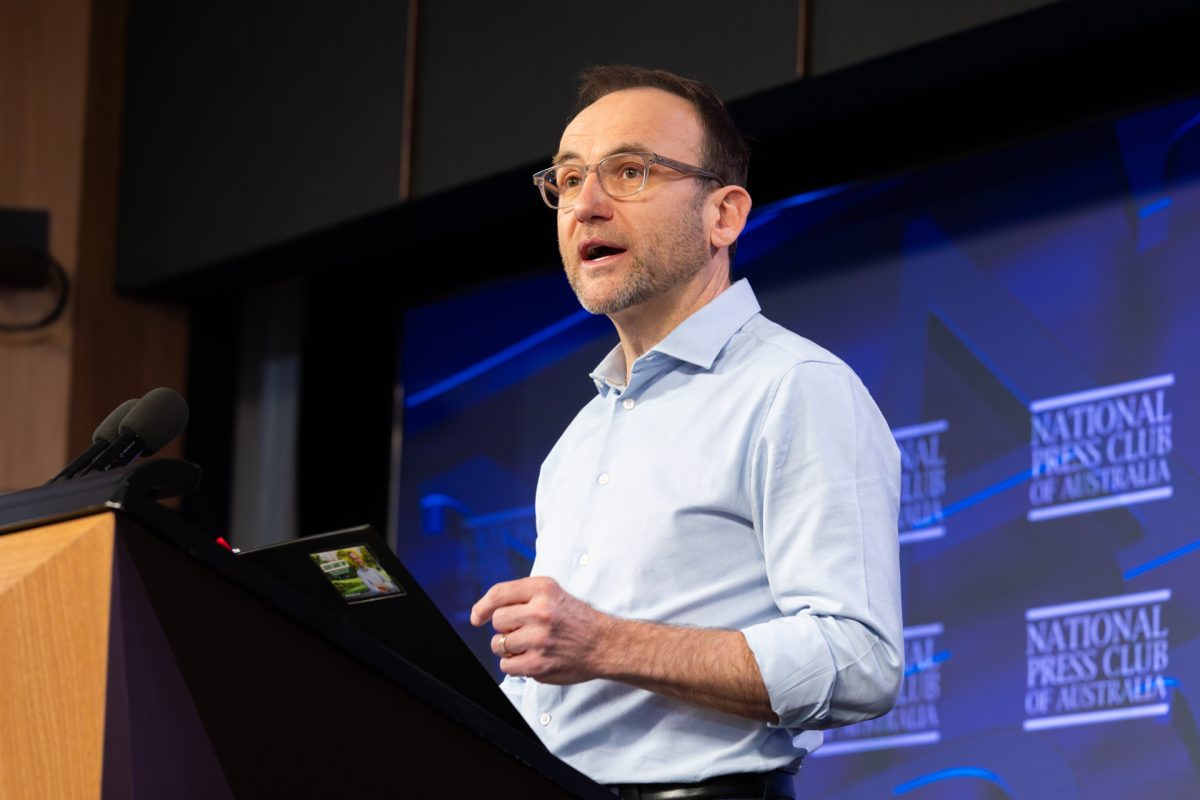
{"x":667,"y":258}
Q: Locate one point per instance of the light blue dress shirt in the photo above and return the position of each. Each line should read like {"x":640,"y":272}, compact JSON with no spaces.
{"x":746,"y":480}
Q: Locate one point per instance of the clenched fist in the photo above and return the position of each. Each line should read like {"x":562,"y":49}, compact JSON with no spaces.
{"x":542,"y":632}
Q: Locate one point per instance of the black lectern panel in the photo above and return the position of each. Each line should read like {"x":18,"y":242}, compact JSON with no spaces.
{"x":407,"y":622}
{"x":289,"y":715}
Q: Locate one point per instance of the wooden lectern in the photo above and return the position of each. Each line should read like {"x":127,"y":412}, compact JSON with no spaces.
{"x":138,"y":658}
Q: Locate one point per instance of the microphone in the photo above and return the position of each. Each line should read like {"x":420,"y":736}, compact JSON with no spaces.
{"x":105,"y":433}
{"x":149,"y":426}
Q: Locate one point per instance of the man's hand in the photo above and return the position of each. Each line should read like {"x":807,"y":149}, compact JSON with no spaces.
{"x":543,"y":632}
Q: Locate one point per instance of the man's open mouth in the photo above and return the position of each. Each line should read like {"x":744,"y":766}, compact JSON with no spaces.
{"x":593,"y":250}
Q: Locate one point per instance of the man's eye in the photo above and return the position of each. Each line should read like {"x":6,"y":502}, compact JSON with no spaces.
{"x":569,"y":178}
{"x":631,"y":172}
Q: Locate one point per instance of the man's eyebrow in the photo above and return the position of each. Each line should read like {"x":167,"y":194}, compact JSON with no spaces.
{"x":567,"y":156}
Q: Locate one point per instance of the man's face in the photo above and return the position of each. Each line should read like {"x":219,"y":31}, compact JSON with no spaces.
{"x":659,"y":234}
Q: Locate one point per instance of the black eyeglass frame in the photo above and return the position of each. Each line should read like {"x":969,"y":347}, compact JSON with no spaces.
{"x":539,"y":177}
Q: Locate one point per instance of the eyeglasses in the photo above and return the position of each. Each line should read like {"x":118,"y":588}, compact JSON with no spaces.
{"x":620,"y":175}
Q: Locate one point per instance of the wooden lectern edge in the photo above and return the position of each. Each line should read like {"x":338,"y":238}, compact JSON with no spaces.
{"x":46,"y":520}
{"x":55,"y":598}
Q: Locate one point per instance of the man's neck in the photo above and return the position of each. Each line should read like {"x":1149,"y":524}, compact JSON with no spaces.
{"x":645,"y":325}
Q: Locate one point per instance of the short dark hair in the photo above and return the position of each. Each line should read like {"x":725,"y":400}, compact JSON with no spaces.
{"x":724,"y":150}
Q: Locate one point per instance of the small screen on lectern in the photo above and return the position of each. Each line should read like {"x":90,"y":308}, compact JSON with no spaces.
{"x":356,"y":574}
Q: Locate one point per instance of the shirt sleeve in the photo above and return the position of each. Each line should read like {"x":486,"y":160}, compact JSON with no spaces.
{"x":825,"y":481}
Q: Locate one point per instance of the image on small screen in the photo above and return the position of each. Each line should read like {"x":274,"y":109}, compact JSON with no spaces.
{"x":356,"y":574}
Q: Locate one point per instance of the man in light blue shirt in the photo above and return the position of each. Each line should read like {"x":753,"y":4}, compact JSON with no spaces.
{"x":717,"y":573}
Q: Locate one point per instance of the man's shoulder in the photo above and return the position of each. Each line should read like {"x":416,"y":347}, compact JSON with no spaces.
{"x":773,"y":346}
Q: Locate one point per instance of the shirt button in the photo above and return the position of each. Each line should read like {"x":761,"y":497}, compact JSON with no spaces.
{"x":584,"y":559}
{"x":544,"y":719}
{"x":603,"y":479}
{"x":628,"y":403}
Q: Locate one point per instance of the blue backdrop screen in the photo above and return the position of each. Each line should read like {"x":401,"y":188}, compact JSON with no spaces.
{"x":1028,"y":322}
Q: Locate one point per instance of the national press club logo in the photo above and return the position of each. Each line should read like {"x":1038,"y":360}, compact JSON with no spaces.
{"x":914,"y":720}
{"x":1097,"y":661}
{"x":922,"y":480}
{"x":1100,"y":448}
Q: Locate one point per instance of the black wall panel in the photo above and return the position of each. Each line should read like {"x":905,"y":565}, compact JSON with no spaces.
{"x":249,"y":123}
{"x":496,"y":80}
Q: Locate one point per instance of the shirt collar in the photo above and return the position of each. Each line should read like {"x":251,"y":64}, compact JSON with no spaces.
{"x":697,"y":340}
{"x":610,"y":372}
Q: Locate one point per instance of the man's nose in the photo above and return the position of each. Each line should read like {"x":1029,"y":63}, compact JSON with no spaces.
{"x":592,"y":201}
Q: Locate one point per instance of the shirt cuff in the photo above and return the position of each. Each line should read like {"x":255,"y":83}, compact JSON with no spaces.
{"x":797,"y":669}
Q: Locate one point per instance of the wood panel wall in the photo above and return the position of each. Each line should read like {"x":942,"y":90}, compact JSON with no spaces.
{"x":61,"y":65}
{"x":43,"y":85}
{"x":123,"y":347}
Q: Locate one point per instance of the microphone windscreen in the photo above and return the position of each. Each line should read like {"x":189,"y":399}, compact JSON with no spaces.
{"x":157,"y":418}
{"x":108,"y":430}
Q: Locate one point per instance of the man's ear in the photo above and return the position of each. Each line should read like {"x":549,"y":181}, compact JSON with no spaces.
{"x":732,"y":204}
